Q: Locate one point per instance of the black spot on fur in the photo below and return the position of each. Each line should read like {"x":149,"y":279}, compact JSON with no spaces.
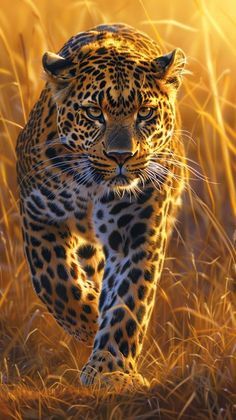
{"x":60,"y":304}
{"x":47,"y":193}
{"x":67,"y":205}
{"x":34,"y":241}
{"x":50,"y":237}
{"x":145,"y":196}
{"x":87,"y":309}
{"x":123,"y":288}
{"x":110,"y":366}
{"x":70,"y":320}
{"x":81,"y":228}
{"x":149,"y":274}
{"x":115,"y":240}
{"x":142,"y":291}
{"x":46,"y":299}
{"x":133,"y":349}
{"x":46,"y":283}
{"x":50,"y":153}
{"x":70,"y":116}
{"x":106,"y":252}
{"x":83,"y":318}
{"x":118,"y":207}
{"x":118,"y":335}
{"x":118,"y":315}
{"x":102,"y":299}
{"x":125,"y":266}
{"x":130,"y":303}
{"x":103,"y":324}
{"x":103,"y":228}
{"x":135,"y":274}
{"x":140,"y":313}
{"x":38,"y":201}
{"x":72,"y":312}
{"x":124,"y":348}
{"x":131,"y":327}
{"x":106,"y":272}
{"x":101,"y":265}
{"x":46,"y":254}
{"x":139,"y":241}
{"x":90,"y":296}
{"x":50,"y":272}
{"x":80,"y":215}
{"x":110,"y":281}
{"x":36,"y":284}
{"x":62,"y":273}
{"x":36,"y":228}
{"x":139,"y":256}
{"x":103,"y":341}
{"x":137,"y":230}
{"x":61,"y":292}
{"x":107,"y":198}
{"x":76,"y":292}
{"x":89,"y":270}
{"x":60,"y":251}
{"x":99,"y":214}
{"x":147,"y":212}
{"x":86,"y":251}
{"x":120,"y":363}
{"x":124,"y":220}
{"x":126,"y":247}
{"x":38,"y":263}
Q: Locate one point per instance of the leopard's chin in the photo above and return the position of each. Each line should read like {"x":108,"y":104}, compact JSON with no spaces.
{"x":122,"y":183}
{"x":119,"y":181}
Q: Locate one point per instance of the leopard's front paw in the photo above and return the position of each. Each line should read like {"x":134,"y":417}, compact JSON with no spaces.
{"x":99,"y":364}
{"x":121,"y":381}
{"x":103,"y":369}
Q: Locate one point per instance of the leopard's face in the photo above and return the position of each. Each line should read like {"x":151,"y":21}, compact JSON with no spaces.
{"x":117,"y":117}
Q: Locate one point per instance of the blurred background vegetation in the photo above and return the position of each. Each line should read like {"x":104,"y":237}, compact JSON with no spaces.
{"x":189,"y":354}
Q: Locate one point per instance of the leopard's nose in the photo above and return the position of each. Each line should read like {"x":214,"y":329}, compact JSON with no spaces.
{"x":120,"y":157}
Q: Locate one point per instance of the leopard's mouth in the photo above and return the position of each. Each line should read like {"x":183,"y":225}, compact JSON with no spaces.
{"x":116,"y":181}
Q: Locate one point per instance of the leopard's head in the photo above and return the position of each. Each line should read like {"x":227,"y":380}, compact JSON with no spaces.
{"x":115,"y":98}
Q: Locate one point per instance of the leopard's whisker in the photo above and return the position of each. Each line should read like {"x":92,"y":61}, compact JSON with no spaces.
{"x":183,"y":165}
{"x":33,"y":172}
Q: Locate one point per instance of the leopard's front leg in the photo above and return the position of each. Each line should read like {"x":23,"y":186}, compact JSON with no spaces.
{"x":65,"y":259}
{"x":134,"y":237}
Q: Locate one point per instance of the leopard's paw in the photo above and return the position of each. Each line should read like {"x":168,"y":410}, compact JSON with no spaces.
{"x":121,"y":381}
{"x":103,"y":369}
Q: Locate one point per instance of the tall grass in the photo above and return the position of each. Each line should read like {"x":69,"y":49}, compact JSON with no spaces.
{"x":189,"y":354}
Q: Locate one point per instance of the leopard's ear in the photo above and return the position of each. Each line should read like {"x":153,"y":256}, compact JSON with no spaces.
{"x":170,"y":67}
{"x":57,"y":66}
{"x":59,"y":72}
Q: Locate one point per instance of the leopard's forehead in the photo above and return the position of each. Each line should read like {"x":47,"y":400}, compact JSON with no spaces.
{"x":119,"y":37}
{"x":113,"y":65}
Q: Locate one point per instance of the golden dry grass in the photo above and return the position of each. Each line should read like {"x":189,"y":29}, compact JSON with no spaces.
{"x":189,"y":354}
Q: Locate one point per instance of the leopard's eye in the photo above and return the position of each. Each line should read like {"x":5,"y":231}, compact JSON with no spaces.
{"x":94,"y":113}
{"x":145,"y":113}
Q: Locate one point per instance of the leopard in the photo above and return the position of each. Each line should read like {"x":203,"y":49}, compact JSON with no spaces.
{"x":100,"y":171}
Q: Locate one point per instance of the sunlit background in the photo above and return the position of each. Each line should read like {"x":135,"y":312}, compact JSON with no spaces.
{"x":189,"y":354}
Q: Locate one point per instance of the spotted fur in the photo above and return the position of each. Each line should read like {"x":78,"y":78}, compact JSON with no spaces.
{"x":100,"y":172}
